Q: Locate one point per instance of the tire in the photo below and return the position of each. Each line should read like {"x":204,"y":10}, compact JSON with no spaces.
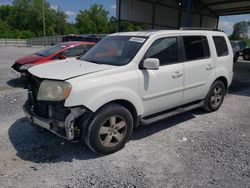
{"x":246,"y":56}
{"x":109,"y":129}
{"x":215,"y":96}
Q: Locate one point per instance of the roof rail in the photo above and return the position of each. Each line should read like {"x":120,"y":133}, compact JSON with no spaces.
{"x":200,"y":28}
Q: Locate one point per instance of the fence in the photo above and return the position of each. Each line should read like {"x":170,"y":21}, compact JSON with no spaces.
{"x":13,"y":42}
{"x":47,"y":41}
{"x":51,"y":40}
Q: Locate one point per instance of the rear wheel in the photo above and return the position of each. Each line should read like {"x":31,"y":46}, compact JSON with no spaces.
{"x":215,"y":96}
{"x":109,"y":129}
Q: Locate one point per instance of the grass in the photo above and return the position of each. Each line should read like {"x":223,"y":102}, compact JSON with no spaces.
{"x":248,"y":43}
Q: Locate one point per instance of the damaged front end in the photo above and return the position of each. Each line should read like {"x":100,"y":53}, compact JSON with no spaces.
{"x":53,"y":116}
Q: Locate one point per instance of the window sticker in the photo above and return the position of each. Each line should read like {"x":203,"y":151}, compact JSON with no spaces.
{"x":137,"y":39}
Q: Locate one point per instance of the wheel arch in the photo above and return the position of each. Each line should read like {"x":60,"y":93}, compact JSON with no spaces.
{"x":129,"y":106}
{"x":224,"y":80}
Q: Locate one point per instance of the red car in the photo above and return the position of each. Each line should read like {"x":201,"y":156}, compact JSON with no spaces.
{"x":56,"y":52}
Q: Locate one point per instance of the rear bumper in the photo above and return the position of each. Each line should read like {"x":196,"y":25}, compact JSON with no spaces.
{"x":64,"y":129}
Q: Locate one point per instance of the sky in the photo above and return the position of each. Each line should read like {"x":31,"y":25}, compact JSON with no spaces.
{"x":72,"y":7}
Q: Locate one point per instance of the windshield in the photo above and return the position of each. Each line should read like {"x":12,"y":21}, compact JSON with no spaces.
{"x":50,"y":50}
{"x":114,"y":50}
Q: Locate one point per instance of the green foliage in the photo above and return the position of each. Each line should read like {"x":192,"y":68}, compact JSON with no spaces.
{"x":24,"y":19}
{"x":94,"y":20}
{"x":248,"y":43}
{"x":240,"y":31}
{"x":125,"y":26}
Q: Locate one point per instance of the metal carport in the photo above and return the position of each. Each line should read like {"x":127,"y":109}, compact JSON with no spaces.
{"x":179,"y":13}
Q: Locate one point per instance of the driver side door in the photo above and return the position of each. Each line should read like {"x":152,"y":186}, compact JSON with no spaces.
{"x":162,"y":89}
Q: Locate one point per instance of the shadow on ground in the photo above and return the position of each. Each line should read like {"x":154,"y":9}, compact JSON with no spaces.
{"x":17,"y":83}
{"x":241,"y":80}
{"x":45,"y":147}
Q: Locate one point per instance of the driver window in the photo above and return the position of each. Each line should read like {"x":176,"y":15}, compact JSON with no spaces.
{"x":164,"y":49}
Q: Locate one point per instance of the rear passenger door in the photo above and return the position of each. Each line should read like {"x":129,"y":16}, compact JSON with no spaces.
{"x":199,"y":67}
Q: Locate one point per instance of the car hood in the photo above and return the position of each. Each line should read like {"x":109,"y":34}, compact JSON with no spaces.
{"x":29,"y":59}
{"x":66,"y":69}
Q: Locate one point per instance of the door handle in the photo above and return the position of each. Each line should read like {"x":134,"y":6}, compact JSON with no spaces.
{"x":177,"y":74}
{"x":209,"y":67}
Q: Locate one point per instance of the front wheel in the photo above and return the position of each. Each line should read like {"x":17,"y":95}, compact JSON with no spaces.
{"x":109,"y":129}
{"x":215,"y":96}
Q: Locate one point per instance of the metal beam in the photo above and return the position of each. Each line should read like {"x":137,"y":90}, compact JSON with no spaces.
{"x":189,"y":8}
{"x":224,"y":2}
{"x":153,"y":16}
{"x":234,"y":13}
{"x":234,"y":9}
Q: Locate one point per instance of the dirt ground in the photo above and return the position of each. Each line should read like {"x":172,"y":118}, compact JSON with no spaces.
{"x":195,"y":149}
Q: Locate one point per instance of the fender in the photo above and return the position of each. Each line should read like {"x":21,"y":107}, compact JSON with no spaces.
{"x":94,"y":102}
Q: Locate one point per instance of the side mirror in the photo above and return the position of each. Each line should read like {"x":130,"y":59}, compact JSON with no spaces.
{"x":151,"y":64}
{"x":62,"y":57}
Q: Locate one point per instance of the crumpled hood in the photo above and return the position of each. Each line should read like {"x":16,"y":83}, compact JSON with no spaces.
{"x":66,"y":69}
{"x":29,"y":59}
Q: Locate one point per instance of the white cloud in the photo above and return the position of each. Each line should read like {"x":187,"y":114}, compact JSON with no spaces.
{"x":70,"y":13}
{"x":113,"y":6}
{"x":55,"y":7}
{"x":225,"y":25}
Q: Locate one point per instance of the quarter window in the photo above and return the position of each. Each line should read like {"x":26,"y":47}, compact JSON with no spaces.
{"x":196,"y":47}
{"x":164,"y":49}
{"x":220,"y":45}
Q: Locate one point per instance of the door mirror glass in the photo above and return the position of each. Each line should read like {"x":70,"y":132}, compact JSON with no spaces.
{"x":151,"y":64}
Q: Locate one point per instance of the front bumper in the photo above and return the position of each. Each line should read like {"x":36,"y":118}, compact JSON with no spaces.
{"x":64,"y":129}
{"x":14,"y":72}
{"x":21,"y":74}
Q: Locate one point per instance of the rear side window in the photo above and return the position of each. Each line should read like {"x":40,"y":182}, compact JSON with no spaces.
{"x":196,"y":47}
{"x":164,"y":49}
{"x":220,"y":45}
{"x":74,"y":51}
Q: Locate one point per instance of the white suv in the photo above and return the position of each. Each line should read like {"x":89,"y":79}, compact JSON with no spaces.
{"x":129,"y":79}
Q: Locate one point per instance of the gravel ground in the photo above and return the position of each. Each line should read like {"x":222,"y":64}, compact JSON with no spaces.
{"x":195,"y":149}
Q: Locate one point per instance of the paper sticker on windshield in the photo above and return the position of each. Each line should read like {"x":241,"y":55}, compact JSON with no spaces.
{"x":137,"y":39}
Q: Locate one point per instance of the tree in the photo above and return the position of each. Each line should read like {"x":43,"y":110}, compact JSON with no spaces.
{"x":94,"y":20}
{"x":125,"y":26}
{"x":240,"y":30}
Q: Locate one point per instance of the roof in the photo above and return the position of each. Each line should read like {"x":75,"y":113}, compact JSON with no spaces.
{"x":70,"y":43}
{"x":158,"y":32}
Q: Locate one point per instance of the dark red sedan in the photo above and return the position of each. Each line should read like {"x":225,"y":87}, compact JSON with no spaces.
{"x":56,"y":52}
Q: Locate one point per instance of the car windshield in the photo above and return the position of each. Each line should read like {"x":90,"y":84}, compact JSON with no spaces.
{"x":114,"y":50}
{"x":50,"y":50}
